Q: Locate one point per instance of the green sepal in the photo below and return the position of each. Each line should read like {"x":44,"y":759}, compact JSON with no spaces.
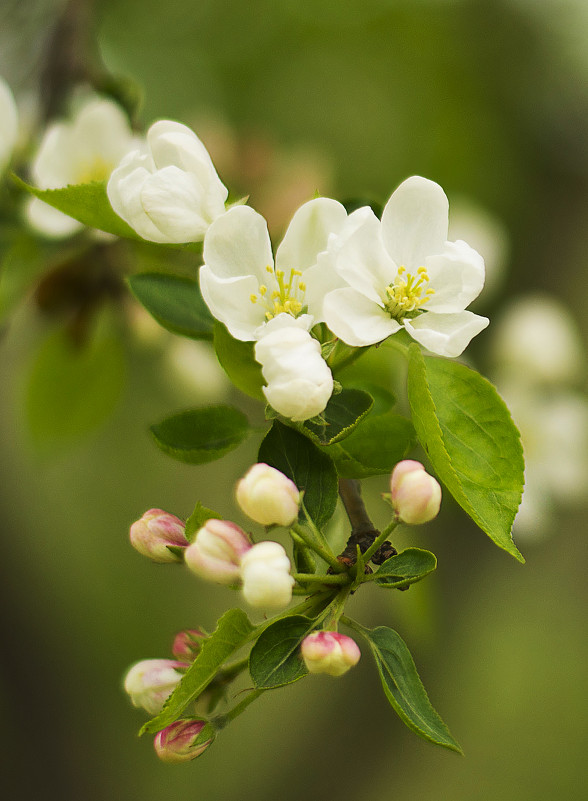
{"x":406,"y":567}
{"x":275,"y":658}
{"x":175,"y":302}
{"x":238,"y":361}
{"x":197,"y":519}
{"x":201,"y":435}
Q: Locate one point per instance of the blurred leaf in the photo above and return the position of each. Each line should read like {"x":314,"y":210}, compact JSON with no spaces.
{"x":238,"y":361}
{"x":374,"y":447}
{"x":275,"y":658}
{"x":406,"y":567}
{"x":341,"y":415}
{"x":231,"y":633}
{"x":73,"y":388}
{"x":471,"y":440}
{"x":175,"y":302}
{"x":22,"y":263}
{"x":87,"y":203}
{"x":201,"y":435}
{"x":197,"y":519}
{"x":308,"y":466}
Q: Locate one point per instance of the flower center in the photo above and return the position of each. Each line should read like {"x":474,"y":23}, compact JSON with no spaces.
{"x":96,"y":170}
{"x":288,"y":298}
{"x":405,"y":296}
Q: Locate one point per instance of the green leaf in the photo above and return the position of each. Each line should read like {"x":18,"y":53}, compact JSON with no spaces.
{"x":341,"y":415}
{"x":232,"y":632}
{"x":374,"y":447}
{"x":471,"y":440}
{"x":197,"y":519}
{"x":404,"y":689}
{"x":238,"y":361}
{"x":275,"y":658}
{"x":407,"y":567}
{"x":201,"y":435}
{"x":309,"y":467}
{"x":24,"y":260}
{"x":175,"y":302}
{"x":87,"y":203}
{"x":73,"y":388}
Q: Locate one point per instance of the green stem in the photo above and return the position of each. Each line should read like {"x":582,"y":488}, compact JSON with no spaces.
{"x":318,"y":534}
{"x":312,"y":578}
{"x":327,"y":556}
{"x":222,"y":720}
{"x":382,"y":537}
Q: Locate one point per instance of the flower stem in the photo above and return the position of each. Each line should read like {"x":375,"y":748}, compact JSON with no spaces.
{"x":327,"y":556}
{"x":221,"y":721}
{"x":312,"y":578}
{"x":382,"y":537}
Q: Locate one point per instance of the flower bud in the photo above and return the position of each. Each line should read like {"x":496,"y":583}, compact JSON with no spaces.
{"x":155,"y":533}
{"x":329,"y":652}
{"x":217,"y":551}
{"x":150,"y":682}
{"x":299,"y":381}
{"x":265,"y":571}
{"x":416,"y":496}
{"x":268,"y":496}
{"x":183,"y":740}
{"x":8,"y":124}
{"x":187,"y":644}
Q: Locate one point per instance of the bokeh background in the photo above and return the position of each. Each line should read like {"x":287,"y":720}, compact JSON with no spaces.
{"x":490,"y":99}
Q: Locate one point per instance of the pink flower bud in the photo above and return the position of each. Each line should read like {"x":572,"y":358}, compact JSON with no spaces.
{"x":150,"y":682}
{"x":265,"y":571}
{"x":187,"y":644}
{"x":268,"y":496}
{"x":329,"y":652}
{"x":217,"y":551}
{"x":183,"y":740}
{"x":155,"y":533}
{"x":416,"y":496}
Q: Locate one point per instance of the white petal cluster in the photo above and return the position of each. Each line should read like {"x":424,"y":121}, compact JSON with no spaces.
{"x":265,"y":572}
{"x":8,"y":124}
{"x":402,"y":272}
{"x":168,"y":191}
{"x":79,"y":151}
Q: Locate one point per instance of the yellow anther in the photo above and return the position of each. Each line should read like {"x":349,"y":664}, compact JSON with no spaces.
{"x":302,"y":286}
{"x":253,"y":298}
{"x":262,"y":289}
{"x":422,"y":271}
{"x":269,"y":269}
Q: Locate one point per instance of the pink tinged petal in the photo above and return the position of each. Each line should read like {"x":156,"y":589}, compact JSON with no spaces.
{"x":446,"y":334}
{"x":415,"y":222}
{"x":357,"y":320}
{"x":172,"y":199}
{"x":229,"y":301}
{"x":363,"y":261}
{"x":308,"y":233}
{"x":456,"y":275}
{"x":238,"y":244}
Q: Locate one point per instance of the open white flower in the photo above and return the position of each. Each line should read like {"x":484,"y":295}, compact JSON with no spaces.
{"x":242,"y":286}
{"x":79,"y":151}
{"x":168,"y":191}
{"x":402,"y":272}
{"x":8,"y":124}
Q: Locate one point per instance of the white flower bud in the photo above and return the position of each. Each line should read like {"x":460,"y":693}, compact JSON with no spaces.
{"x":169,"y":191}
{"x":217,"y":551}
{"x":150,"y":682}
{"x":268,"y":496}
{"x":179,"y":741}
{"x":416,"y":496}
{"x":155,"y":533}
{"x":299,"y":381}
{"x":8,"y":124}
{"x":265,"y":572}
{"x":329,"y":652}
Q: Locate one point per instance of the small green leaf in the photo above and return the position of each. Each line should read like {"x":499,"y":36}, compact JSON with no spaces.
{"x":404,"y":689}
{"x":374,"y":447}
{"x":197,"y":519}
{"x":407,"y":567}
{"x":87,"y":203}
{"x":202,"y":435}
{"x":275,"y":658}
{"x":308,"y":466}
{"x":175,"y":302}
{"x":341,"y":415}
{"x":232,"y":632}
{"x":238,"y":361}
{"x":471,"y":440}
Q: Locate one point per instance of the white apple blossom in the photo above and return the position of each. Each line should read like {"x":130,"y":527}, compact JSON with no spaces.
{"x":402,"y":272}
{"x":168,"y":191}
{"x":8,"y":124}
{"x":265,"y":572}
{"x":79,"y":151}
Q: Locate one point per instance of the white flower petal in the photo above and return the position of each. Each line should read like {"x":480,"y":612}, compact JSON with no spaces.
{"x":52,"y":165}
{"x":415,"y":222}
{"x":446,"y":334}
{"x":172,"y":199}
{"x":357,"y":320}
{"x":101,"y":129}
{"x":9,"y":126}
{"x":363,"y":261}
{"x":237,"y":244}
{"x":124,"y":193}
{"x":229,"y":300}
{"x":456,"y":275}
{"x":308,"y":233}
{"x":49,"y":221}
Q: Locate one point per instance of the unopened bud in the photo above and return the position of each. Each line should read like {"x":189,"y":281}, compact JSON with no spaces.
{"x":150,"y":682}
{"x":217,"y":551}
{"x":329,"y":652}
{"x":187,"y":644}
{"x":183,"y":740}
{"x":265,"y":571}
{"x":155,"y":533}
{"x":416,"y":496}
{"x":268,"y":496}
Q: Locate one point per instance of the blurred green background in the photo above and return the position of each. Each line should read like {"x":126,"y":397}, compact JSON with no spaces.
{"x":490,"y":99}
